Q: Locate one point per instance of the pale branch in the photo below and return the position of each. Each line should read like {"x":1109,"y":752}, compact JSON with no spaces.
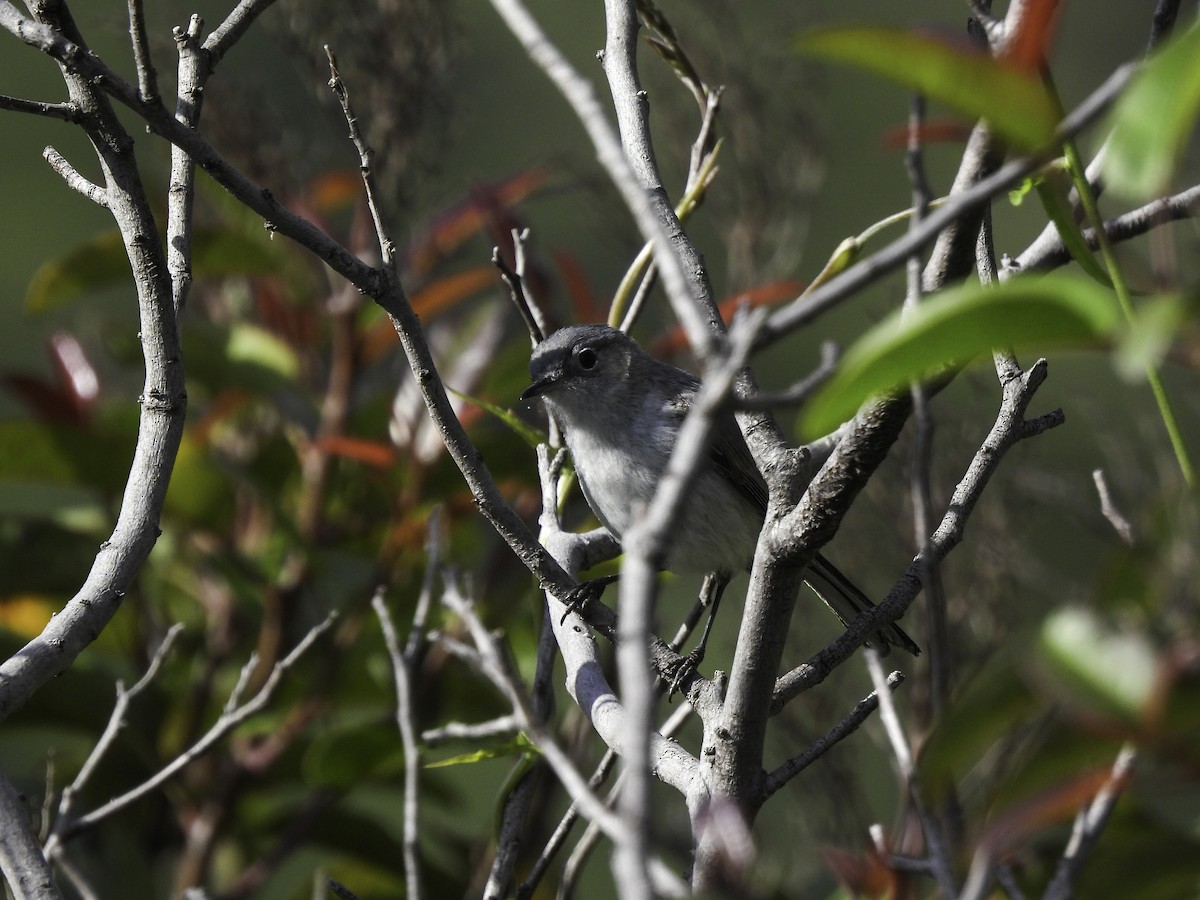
{"x":584,"y":673}
{"x":1088,"y":826}
{"x":514,"y":822}
{"x":181,"y":192}
{"x":74,"y":180}
{"x":1109,"y":509}
{"x":402,"y":677}
{"x":147,"y":77}
{"x":163,"y":399}
{"x":505,"y":726}
{"x":514,"y":280}
{"x":581,"y":97}
{"x":497,"y":667}
{"x":937,"y":642}
{"x":230,"y":31}
{"x":1006,"y":431}
{"x":800,"y":392}
{"x":939,"y":853}
{"x":366,"y":167}
{"x":116,"y":722}
{"x":591,"y":834}
{"x":24,"y":867}
{"x":865,"y":272}
{"x":433,"y":560}
{"x":646,"y":544}
{"x":66,"y":112}
{"x":234,"y":713}
{"x":1051,"y":253}
{"x":792,"y":767}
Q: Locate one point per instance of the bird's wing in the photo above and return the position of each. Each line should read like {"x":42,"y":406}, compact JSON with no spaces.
{"x":727,"y":451}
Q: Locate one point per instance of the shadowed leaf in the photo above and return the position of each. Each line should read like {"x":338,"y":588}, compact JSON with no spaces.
{"x":1015,"y":103}
{"x":1153,"y":119}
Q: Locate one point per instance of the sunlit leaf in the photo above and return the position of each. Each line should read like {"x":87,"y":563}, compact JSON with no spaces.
{"x":954,"y":327}
{"x":1153,"y":119}
{"x":1014,"y":102}
{"x":518,"y":746}
{"x":249,"y":344}
{"x":1053,"y":188}
{"x":1098,"y":665}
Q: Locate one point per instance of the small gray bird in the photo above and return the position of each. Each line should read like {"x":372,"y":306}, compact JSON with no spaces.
{"x":620,"y":410}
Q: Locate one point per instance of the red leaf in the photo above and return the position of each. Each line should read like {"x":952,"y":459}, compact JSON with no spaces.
{"x":1026,"y":48}
{"x":373,"y":453}
{"x":764,"y":295}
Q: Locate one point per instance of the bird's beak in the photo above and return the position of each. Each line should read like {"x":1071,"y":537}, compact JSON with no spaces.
{"x":542,"y":385}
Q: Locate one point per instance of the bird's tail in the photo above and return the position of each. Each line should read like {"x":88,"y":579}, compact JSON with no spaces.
{"x":848,"y":602}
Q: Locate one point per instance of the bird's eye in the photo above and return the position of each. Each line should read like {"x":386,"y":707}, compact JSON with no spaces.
{"x":587,"y":359}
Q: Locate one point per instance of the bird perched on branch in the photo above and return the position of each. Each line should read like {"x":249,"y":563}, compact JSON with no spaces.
{"x":620,"y":411}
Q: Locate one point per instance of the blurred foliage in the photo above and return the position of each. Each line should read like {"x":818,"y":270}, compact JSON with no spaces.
{"x":308,"y":474}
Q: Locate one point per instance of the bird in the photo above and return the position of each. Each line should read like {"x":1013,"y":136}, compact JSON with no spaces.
{"x":620,"y":410}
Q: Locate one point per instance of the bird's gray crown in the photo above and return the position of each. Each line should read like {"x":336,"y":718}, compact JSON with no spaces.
{"x":575,"y":355}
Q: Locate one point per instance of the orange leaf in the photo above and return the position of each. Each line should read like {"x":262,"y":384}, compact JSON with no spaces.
{"x":763,"y":295}
{"x":1026,"y":48}
{"x":334,"y":190}
{"x":583,"y":298}
{"x":454,"y":226}
{"x":373,"y":453}
{"x":943,"y":131}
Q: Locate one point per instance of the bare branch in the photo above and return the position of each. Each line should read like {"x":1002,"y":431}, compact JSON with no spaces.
{"x":938,"y":853}
{"x":116,"y":722}
{"x":234,"y":713}
{"x":405,"y":722}
{"x":64,"y":111}
{"x":642,"y":200}
{"x":74,"y":180}
{"x":22,"y":864}
{"x":1119,"y":523}
{"x":147,"y":78}
{"x":843,"y":729}
{"x":1088,"y":825}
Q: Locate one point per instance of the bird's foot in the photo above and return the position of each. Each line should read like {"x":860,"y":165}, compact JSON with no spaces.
{"x":585,"y":593}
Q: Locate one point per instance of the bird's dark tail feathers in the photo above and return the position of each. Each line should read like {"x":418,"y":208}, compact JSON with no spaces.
{"x":848,"y":602}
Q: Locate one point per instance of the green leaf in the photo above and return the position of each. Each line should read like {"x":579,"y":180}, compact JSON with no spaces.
{"x":1053,"y":189}
{"x":518,"y":746}
{"x":1097,"y":665}
{"x":530,"y":435}
{"x":254,"y":346}
{"x":1016,"y":104}
{"x":1154,"y":328}
{"x":1153,"y":119}
{"x":954,"y":327}
{"x":96,"y":265}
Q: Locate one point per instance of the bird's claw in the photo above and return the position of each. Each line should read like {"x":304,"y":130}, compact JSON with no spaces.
{"x":585,"y":593}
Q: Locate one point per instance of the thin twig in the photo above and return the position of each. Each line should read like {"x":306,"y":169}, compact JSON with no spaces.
{"x":1109,"y":509}
{"x":934,"y":839}
{"x":514,"y":279}
{"x":23,"y":866}
{"x":797,"y":394}
{"x":234,"y":713}
{"x":808,"y":307}
{"x":789,"y":769}
{"x":74,"y":180}
{"x":582,"y":99}
{"x":147,"y":77}
{"x":64,"y":111}
{"x":1088,"y":825}
{"x":471,"y":732}
{"x":405,"y":722}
